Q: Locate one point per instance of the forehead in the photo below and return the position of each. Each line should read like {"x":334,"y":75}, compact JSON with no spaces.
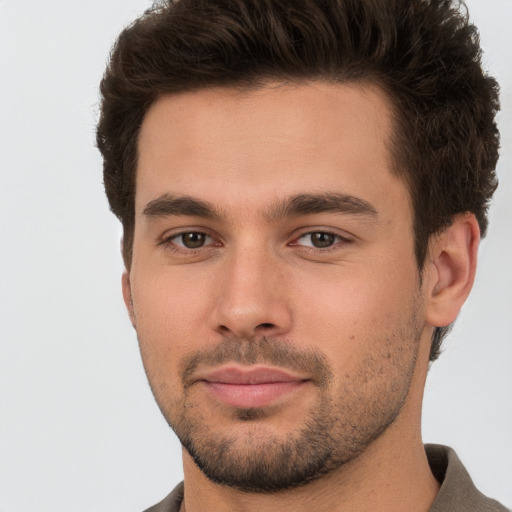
{"x":232,"y":147}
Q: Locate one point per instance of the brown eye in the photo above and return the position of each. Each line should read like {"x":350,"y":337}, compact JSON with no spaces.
{"x":319,"y":239}
{"x":192,"y":240}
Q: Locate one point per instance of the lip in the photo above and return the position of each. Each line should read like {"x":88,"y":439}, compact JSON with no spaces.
{"x":251,"y":387}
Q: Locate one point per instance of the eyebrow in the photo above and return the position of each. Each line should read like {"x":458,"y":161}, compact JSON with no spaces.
{"x":310,"y":204}
{"x":171,"y":205}
{"x":295,"y":206}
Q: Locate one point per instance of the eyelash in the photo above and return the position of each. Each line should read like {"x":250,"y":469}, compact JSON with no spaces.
{"x":169,"y":243}
{"x":331,"y":248}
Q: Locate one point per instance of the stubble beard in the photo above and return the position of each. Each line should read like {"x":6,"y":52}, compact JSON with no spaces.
{"x":341,"y":425}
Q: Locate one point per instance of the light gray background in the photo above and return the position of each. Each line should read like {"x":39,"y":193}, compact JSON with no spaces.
{"x":79,"y":427}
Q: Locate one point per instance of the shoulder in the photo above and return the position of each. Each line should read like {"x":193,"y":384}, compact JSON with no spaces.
{"x":458,"y":493}
{"x":171,"y":503}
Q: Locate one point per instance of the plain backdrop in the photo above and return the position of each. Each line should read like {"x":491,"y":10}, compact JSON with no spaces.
{"x":80,"y":431}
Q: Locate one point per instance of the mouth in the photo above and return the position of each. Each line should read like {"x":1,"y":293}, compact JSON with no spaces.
{"x":251,"y":387}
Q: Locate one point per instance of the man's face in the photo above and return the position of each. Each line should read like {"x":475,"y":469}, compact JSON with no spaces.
{"x":274,"y":287}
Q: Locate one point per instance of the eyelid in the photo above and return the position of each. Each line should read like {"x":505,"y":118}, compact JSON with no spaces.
{"x":328,"y":231}
{"x":181,"y":245}
{"x":166,"y":239}
{"x":342,"y":240}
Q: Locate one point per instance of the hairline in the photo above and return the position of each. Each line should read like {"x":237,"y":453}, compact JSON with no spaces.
{"x":370,"y":81}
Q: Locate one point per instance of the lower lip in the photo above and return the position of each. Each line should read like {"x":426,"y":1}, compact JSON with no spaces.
{"x":252,"y":395}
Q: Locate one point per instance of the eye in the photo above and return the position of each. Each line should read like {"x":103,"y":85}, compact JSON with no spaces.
{"x":191,"y":240}
{"x":318,"y":239}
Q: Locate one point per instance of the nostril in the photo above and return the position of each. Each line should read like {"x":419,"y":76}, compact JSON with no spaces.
{"x":266,"y":325}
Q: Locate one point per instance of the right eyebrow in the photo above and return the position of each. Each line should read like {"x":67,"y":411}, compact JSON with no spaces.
{"x":168,"y":204}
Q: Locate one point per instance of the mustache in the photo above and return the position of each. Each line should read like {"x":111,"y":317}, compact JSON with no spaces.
{"x":263,"y":350}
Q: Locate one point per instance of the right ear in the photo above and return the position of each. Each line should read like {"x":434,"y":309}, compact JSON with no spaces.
{"x":127,"y":296}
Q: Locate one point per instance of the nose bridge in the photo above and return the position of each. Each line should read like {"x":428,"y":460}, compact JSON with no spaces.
{"x":252,"y":297}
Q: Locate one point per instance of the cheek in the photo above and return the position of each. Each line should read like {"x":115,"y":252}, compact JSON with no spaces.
{"x":348,"y":310}
{"x":170,"y":316}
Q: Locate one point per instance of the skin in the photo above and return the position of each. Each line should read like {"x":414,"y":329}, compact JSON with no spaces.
{"x":358,"y":304}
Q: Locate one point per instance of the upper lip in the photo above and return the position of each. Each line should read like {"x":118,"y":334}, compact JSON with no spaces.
{"x":248,"y":375}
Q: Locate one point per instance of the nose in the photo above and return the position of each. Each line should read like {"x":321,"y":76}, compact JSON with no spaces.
{"x":252,"y":297}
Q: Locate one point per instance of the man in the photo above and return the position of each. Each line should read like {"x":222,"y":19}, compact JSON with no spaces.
{"x":303,"y":186}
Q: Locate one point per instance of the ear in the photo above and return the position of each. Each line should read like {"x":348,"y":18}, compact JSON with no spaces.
{"x":452,"y":266}
{"x":127,"y":296}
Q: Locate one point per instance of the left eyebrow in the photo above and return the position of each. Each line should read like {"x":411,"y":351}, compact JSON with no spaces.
{"x":310,"y":204}
{"x":172,"y":205}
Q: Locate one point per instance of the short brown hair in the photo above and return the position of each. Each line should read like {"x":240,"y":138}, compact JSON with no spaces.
{"x":423,"y":53}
